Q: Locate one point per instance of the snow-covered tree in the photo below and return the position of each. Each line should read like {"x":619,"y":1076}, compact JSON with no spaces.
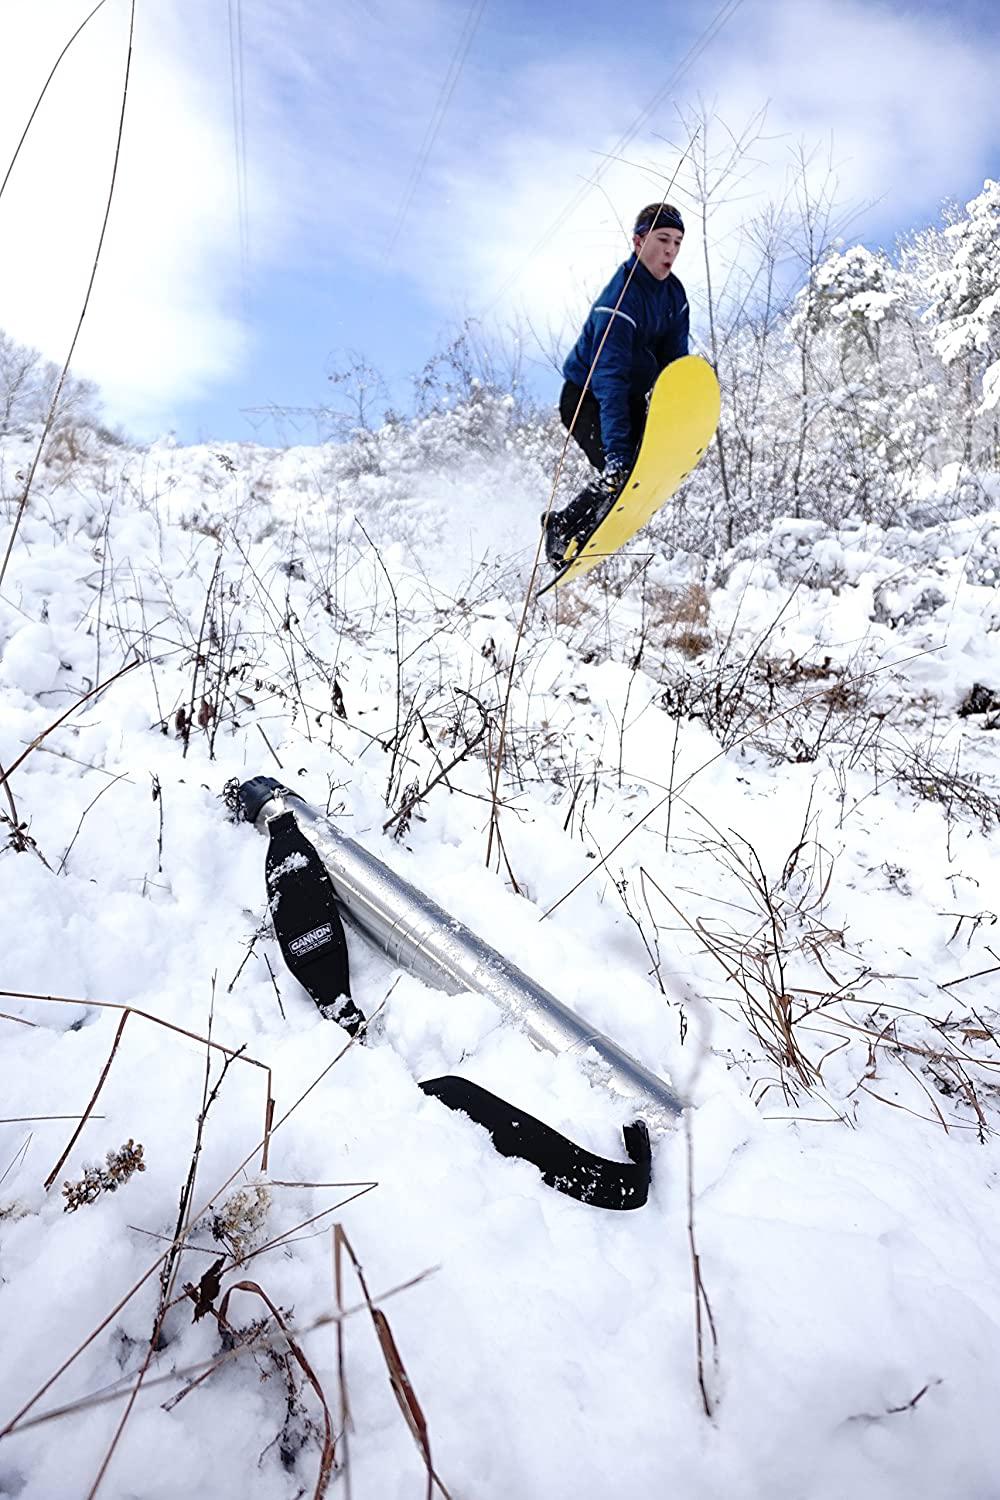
{"x":857,"y":291}
{"x":965,"y":292}
{"x":28,"y":383}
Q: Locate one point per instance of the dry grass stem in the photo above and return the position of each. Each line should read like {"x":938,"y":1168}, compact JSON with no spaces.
{"x":399,"y":1380}
{"x":17,"y":1420}
{"x":131,"y":1010}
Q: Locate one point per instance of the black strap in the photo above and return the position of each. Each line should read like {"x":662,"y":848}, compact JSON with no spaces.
{"x":310,"y":934}
{"x":564,"y":1166}
{"x":306,"y":921}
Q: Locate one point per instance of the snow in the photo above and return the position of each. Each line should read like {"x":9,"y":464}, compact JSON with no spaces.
{"x":789,"y":813}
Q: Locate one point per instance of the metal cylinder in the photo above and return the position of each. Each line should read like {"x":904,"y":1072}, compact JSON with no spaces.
{"x":418,"y":936}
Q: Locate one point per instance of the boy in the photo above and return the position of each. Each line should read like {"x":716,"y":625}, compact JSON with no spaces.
{"x":644,"y":313}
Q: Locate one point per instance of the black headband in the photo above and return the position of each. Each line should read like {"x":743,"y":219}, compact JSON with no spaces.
{"x":665,"y":217}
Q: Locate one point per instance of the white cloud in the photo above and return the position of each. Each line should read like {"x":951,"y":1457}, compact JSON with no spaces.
{"x":338,"y":101}
{"x":162,"y":317}
{"x":900,"y":103}
{"x":334,"y":102}
{"x":909,"y":101}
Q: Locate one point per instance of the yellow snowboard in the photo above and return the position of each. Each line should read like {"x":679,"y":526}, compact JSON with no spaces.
{"x":683,"y":416}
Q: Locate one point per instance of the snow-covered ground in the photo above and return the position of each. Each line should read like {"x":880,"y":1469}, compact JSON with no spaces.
{"x":743,"y":829}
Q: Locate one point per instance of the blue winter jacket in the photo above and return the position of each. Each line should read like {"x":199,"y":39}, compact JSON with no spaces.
{"x":649,"y":330}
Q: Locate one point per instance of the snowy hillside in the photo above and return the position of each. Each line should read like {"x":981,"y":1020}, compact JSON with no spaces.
{"x":748,"y":826}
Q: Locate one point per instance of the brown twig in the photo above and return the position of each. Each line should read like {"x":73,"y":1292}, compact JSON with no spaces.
{"x":18,"y":1156}
{"x":188,"y":719}
{"x":93,"y":1100}
{"x":328,"y":1456}
{"x":346,"y":1423}
{"x":274,"y":752}
{"x":184,"y":1223}
{"x":399,"y":653}
{"x":284,"y":1238}
{"x":157,"y":791}
{"x":104,"y":1397}
{"x":274,"y":981}
{"x":38,"y":101}
{"x":69,"y":848}
{"x":26,"y":1119}
{"x":411,"y":802}
{"x":700,"y":1294}
{"x":100,"y":687}
{"x":894,"y":1411}
{"x":158,"y":1021}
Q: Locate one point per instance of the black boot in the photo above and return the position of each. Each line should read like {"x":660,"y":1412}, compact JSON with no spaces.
{"x":555,"y":537}
{"x":577,"y":522}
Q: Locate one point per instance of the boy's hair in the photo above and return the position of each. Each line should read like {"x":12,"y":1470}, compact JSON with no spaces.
{"x":658,"y":216}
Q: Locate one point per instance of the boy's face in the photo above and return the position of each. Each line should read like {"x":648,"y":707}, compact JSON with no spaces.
{"x":658,"y":250}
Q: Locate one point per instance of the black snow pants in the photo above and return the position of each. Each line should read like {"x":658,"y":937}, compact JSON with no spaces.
{"x":587,"y":429}
{"x":587,"y":508}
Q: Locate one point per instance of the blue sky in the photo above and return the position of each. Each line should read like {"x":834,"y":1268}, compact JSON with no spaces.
{"x":195,"y":318}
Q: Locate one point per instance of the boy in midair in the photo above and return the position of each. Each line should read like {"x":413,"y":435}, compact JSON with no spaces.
{"x":637,"y":326}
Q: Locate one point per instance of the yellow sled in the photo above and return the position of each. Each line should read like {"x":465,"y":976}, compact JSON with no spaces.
{"x":683,"y":416}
